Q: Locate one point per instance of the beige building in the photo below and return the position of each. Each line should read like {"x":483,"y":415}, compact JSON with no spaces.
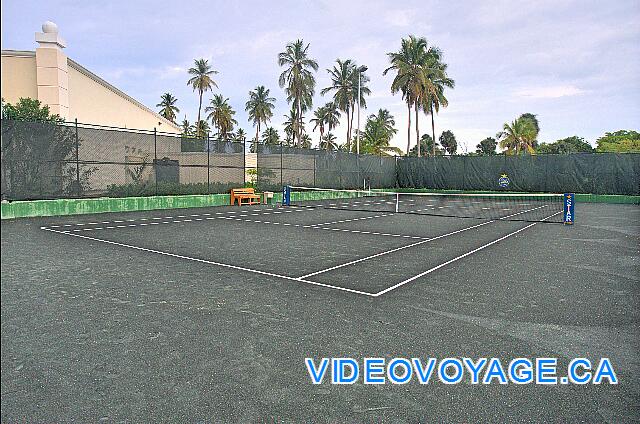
{"x":70,"y":90}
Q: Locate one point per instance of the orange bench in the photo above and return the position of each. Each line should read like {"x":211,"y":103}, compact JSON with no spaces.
{"x":247,"y":194}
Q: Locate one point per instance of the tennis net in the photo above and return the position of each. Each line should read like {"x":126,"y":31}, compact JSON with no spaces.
{"x":533,"y":207}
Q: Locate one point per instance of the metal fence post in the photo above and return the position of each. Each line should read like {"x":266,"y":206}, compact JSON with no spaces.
{"x":155,"y":158}
{"x":314,"y":168}
{"x":546,"y":173}
{"x":464,"y":173}
{"x":244,"y":163}
{"x":78,"y":188}
{"x":208,"y":164}
{"x":281,"y":179}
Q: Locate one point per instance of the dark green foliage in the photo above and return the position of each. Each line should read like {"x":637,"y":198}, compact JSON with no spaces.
{"x":38,"y":154}
{"x":621,"y":141}
{"x":448,"y":142}
{"x":487,"y":146}
{"x":573,"y":144}
{"x":426,"y":147}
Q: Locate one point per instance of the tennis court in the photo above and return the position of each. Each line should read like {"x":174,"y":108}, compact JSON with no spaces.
{"x":372,"y":250}
{"x":140,"y":314}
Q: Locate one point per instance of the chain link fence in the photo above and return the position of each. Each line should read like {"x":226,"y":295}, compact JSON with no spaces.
{"x":42,"y":160}
{"x":281,"y":165}
{"x":595,"y":173}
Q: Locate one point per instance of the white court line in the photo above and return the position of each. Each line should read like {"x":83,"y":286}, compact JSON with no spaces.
{"x":239,"y":268}
{"x":391,"y":251}
{"x":321,"y":226}
{"x":366,"y":258}
{"x":422,"y":274}
{"x":80,"y":224}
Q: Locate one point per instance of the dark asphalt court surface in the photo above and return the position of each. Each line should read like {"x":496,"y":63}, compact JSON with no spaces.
{"x":132,"y":317}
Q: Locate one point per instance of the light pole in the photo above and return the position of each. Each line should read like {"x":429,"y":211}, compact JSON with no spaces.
{"x":360,"y":71}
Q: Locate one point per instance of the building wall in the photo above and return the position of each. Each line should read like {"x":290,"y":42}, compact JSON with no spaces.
{"x":93,"y":101}
{"x":19,"y":77}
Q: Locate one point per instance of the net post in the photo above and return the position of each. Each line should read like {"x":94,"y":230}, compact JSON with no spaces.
{"x":77,"y":160}
{"x":568,"y":208}
{"x":397,"y":201}
{"x":286,"y":195}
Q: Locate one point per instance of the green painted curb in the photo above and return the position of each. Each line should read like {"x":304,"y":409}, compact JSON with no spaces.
{"x":24,"y":209}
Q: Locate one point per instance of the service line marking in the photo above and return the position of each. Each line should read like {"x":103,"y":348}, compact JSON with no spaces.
{"x":386,"y":252}
{"x":457,"y":258}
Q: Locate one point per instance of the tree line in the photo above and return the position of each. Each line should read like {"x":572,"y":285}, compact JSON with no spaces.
{"x":419,"y":76}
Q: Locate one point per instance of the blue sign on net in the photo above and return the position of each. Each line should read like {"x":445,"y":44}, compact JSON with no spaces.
{"x":569,"y":207}
{"x":286,"y":195}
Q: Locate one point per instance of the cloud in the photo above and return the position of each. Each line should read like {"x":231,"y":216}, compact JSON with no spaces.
{"x":399,"y":18}
{"x":552,"y":92}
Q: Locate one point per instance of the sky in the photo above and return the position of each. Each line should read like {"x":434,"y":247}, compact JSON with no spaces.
{"x":574,"y":64}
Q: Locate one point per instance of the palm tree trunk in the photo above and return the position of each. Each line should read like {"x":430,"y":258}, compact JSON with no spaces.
{"x":351,"y":125}
{"x":348,"y":132}
{"x":433,"y":131}
{"x":199,"y":109}
{"x":321,"y":135}
{"x":299,"y":129}
{"x":409,"y":128}
{"x":417,"y":129}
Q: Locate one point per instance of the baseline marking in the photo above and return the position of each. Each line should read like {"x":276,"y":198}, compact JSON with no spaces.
{"x":239,"y":268}
{"x":321,"y":226}
{"x":422,"y":274}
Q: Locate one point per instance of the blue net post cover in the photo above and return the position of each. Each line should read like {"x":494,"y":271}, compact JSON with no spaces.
{"x":286,"y":195}
{"x":569,"y":208}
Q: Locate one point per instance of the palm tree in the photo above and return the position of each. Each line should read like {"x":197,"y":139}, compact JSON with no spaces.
{"x":260,"y":107}
{"x":518,"y":136}
{"x":201,"y":80}
{"x":332,"y":117}
{"x":342,"y":86}
{"x":403,"y":62}
{"x":413,"y":64}
{"x":305,"y":141}
{"x":240,"y":135}
{"x":326,"y":117}
{"x":187,"y":128}
{"x":294,"y":124}
{"x":358,"y":83}
{"x":329,"y":142}
{"x":437,"y":82}
{"x":298,"y":78}
{"x":320,"y":116}
{"x":377,"y":134}
{"x":168,"y":107}
{"x":201,"y":128}
{"x":221,"y":115}
{"x":271,"y":136}
{"x":386,"y":120}
{"x":536,"y":124}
